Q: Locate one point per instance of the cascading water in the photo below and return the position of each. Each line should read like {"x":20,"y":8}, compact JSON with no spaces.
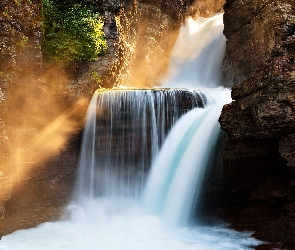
{"x":197,"y":55}
{"x":124,"y":131}
{"x":178,"y":171}
{"x":108,"y":212}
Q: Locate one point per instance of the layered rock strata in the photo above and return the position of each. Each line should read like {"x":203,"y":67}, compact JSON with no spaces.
{"x":260,"y":122}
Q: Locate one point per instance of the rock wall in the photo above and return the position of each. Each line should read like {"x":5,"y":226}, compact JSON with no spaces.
{"x":20,"y":53}
{"x":36,"y":154}
{"x":260,"y":122}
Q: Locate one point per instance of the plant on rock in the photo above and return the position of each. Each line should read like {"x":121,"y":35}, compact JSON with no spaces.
{"x":72,"y":32}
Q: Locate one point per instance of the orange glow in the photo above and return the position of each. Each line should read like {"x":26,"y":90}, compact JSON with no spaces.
{"x":38,"y":122}
{"x":48,"y":141}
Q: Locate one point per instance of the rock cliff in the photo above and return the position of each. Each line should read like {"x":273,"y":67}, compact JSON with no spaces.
{"x":20,"y":53}
{"x":260,"y":122}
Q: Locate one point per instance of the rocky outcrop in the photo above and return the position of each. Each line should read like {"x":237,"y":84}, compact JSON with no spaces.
{"x":260,"y":122}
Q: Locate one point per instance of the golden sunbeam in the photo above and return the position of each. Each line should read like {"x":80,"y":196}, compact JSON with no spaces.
{"x":48,"y":141}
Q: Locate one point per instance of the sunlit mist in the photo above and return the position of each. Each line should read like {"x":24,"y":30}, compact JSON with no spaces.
{"x":50,"y":139}
{"x":39,"y":121}
{"x":146,"y":38}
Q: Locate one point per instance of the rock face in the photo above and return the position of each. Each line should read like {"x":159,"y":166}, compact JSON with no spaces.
{"x":34,"y":107}
{"x":20,"y":42}
{"x":287,"y":149}
{"x":260,"y":123}
{"x":42,"y":195}
{"x":20,"y":53}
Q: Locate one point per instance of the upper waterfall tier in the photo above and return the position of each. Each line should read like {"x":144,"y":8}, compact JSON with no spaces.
{"x":197,"y":56}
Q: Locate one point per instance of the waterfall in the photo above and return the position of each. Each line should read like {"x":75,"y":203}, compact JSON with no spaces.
{"x":175,"y":183}
{"x":115,"y":207}
{"x":177,"y":174}
{"x":197,"y":55}
{"x":123,"y":132}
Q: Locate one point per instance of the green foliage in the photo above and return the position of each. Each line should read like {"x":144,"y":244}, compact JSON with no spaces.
{"x":71,"y":32}
{"x":97,"y":78}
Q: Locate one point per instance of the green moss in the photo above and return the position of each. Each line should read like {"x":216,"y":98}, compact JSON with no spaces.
{"x":72,"y":32}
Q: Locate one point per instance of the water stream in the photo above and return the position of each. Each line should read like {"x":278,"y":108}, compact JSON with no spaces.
{"x":144,"y":201}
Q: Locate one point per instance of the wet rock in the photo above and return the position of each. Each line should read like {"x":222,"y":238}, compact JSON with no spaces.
{"x":260,"y":122}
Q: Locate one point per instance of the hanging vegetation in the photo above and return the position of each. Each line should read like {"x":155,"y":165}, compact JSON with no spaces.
{"x":72,"y":32}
